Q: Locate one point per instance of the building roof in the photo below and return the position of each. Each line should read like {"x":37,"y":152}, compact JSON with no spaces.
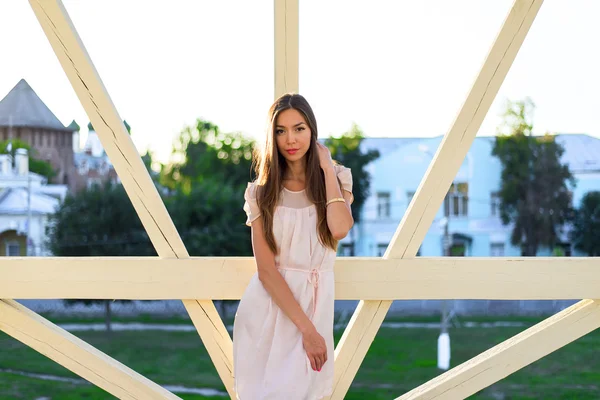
{"x":22,"y":107}
{"x":14,"y":201}
{"x":386,"y":145}
{"x":73,"y":126}
{"x":582,"y":151}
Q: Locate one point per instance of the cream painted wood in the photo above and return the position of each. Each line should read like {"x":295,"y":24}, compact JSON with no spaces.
{"x":430,"y":193}
{"x":396,"y":276}
{"x":286,"y":46}
{"x":511,"y":355}
{"x":103,"y":115}
{"x":76,"y":355}
{"x":152,"y":278}
{"x":115,"y":139}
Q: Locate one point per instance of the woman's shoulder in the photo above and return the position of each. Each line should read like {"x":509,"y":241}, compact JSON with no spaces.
{"x":251,"y":190}
{"x":341,"y":169}
{"x":343,"y":173}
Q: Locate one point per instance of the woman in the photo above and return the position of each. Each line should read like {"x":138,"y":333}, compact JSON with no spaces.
{"x":298,"y":208}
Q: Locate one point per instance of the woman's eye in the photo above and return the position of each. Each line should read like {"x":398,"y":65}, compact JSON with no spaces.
{"x":301,"y":128}
{"x":279,"y":131}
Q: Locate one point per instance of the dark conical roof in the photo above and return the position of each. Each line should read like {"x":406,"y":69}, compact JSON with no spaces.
{"x":23,"y":107}
{"x":73,"y":126}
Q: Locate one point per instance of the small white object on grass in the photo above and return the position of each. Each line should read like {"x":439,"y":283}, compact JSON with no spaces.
{"x":443,"y":351}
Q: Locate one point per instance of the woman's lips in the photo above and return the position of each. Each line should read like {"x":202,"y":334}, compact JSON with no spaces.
{"x":292,"y":151}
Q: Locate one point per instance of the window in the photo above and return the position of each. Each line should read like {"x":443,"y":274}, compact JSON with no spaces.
{"x":497,"y":250}
{"x":381,"y":248}
{"x":346,"y":249}
{"x":495,"y":203}
{"x":13,"y":249}
{"x":456,"y":202}
{"x":383,"y":205}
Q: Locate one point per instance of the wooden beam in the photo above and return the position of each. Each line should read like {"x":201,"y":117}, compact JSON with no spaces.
{"x":115,"y":139}
{"x":76,"y":355}
{"x":286,"y":35}
{"x":429,"y":196}
{"x":152,"y":278}
{"x":511,"y":355}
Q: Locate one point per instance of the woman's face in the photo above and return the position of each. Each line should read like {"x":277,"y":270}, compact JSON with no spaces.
{"x":292,"y":134}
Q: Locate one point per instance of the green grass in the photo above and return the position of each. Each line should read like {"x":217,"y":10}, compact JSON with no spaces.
{"x":19,"y":387}
{"x":398,"y":361}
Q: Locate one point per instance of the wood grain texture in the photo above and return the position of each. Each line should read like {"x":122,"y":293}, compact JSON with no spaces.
{"x":152,"y":278}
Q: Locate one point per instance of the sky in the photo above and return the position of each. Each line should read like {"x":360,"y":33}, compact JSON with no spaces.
{"x":395,"y":68}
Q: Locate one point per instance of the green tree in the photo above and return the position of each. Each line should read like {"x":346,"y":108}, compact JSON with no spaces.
{"x":154,"y":168}
{"x":534,"y":194}
{"x":204,"y":151}
{"x":210,"y":219}
{"x":207,"y":184}
{"x":36,"y":165}
{"x":586,"y":225}
{"x":100,"y":221}
{"x":347,"y":151}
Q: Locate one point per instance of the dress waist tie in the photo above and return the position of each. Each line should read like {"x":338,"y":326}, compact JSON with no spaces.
{"x":314,"y":275}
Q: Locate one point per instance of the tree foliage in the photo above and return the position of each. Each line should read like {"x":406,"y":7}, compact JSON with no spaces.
{"x":36,"y":165}
{"x":586,"y":225}
{"x":205,"y":152}
{"x":347,"y":150}
{"x":98,"y":222}
{"x":535,"y":187}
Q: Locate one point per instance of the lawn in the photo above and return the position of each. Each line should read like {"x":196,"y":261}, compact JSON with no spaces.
{"x":399,"y":360}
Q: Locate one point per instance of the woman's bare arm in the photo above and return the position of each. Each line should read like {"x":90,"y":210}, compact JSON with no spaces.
{"x":272,"y":280}
{"x":339,"y":214}
{"x":280,"y":292}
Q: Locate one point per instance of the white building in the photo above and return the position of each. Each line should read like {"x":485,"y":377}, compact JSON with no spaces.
{"x":26,"y":202}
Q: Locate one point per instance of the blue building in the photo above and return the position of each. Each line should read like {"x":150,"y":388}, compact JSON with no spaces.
{"x":470,"y":208}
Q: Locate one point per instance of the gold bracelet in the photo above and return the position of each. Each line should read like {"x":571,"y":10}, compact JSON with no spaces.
{"x":335,"y":200}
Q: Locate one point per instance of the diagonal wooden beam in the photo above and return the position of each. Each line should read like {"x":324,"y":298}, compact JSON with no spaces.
{"x":286,"y":46}
{"x":360,"y":333}
{"x":511,"y":355}
{"x":152,"y":278}
{"x":76,"y":355}
{"x":115,"y":139}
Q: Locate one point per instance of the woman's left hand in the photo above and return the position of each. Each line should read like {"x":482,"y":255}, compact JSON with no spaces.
{"x":324,"y":156}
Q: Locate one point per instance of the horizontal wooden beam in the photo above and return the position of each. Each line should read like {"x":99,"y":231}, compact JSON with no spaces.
{"x":511,"y":355}
{"x":152,"y":278}
{"x":76,"y":355}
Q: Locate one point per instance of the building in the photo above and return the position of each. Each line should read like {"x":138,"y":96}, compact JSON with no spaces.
{"x":25,"y":117}
{"x":92,"y":164}
{"x":26,"y":202}
{"x":470,"y":210}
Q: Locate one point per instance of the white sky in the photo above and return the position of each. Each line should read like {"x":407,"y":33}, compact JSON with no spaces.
{"x":396,"y":68}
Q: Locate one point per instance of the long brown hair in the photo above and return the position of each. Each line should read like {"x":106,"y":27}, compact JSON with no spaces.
{"x":270,"y":166}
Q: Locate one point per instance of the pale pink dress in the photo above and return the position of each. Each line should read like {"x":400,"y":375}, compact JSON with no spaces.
{"x":269,"y":359}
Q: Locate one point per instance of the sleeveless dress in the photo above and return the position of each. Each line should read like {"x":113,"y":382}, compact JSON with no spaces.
{"x":270,"y":362}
